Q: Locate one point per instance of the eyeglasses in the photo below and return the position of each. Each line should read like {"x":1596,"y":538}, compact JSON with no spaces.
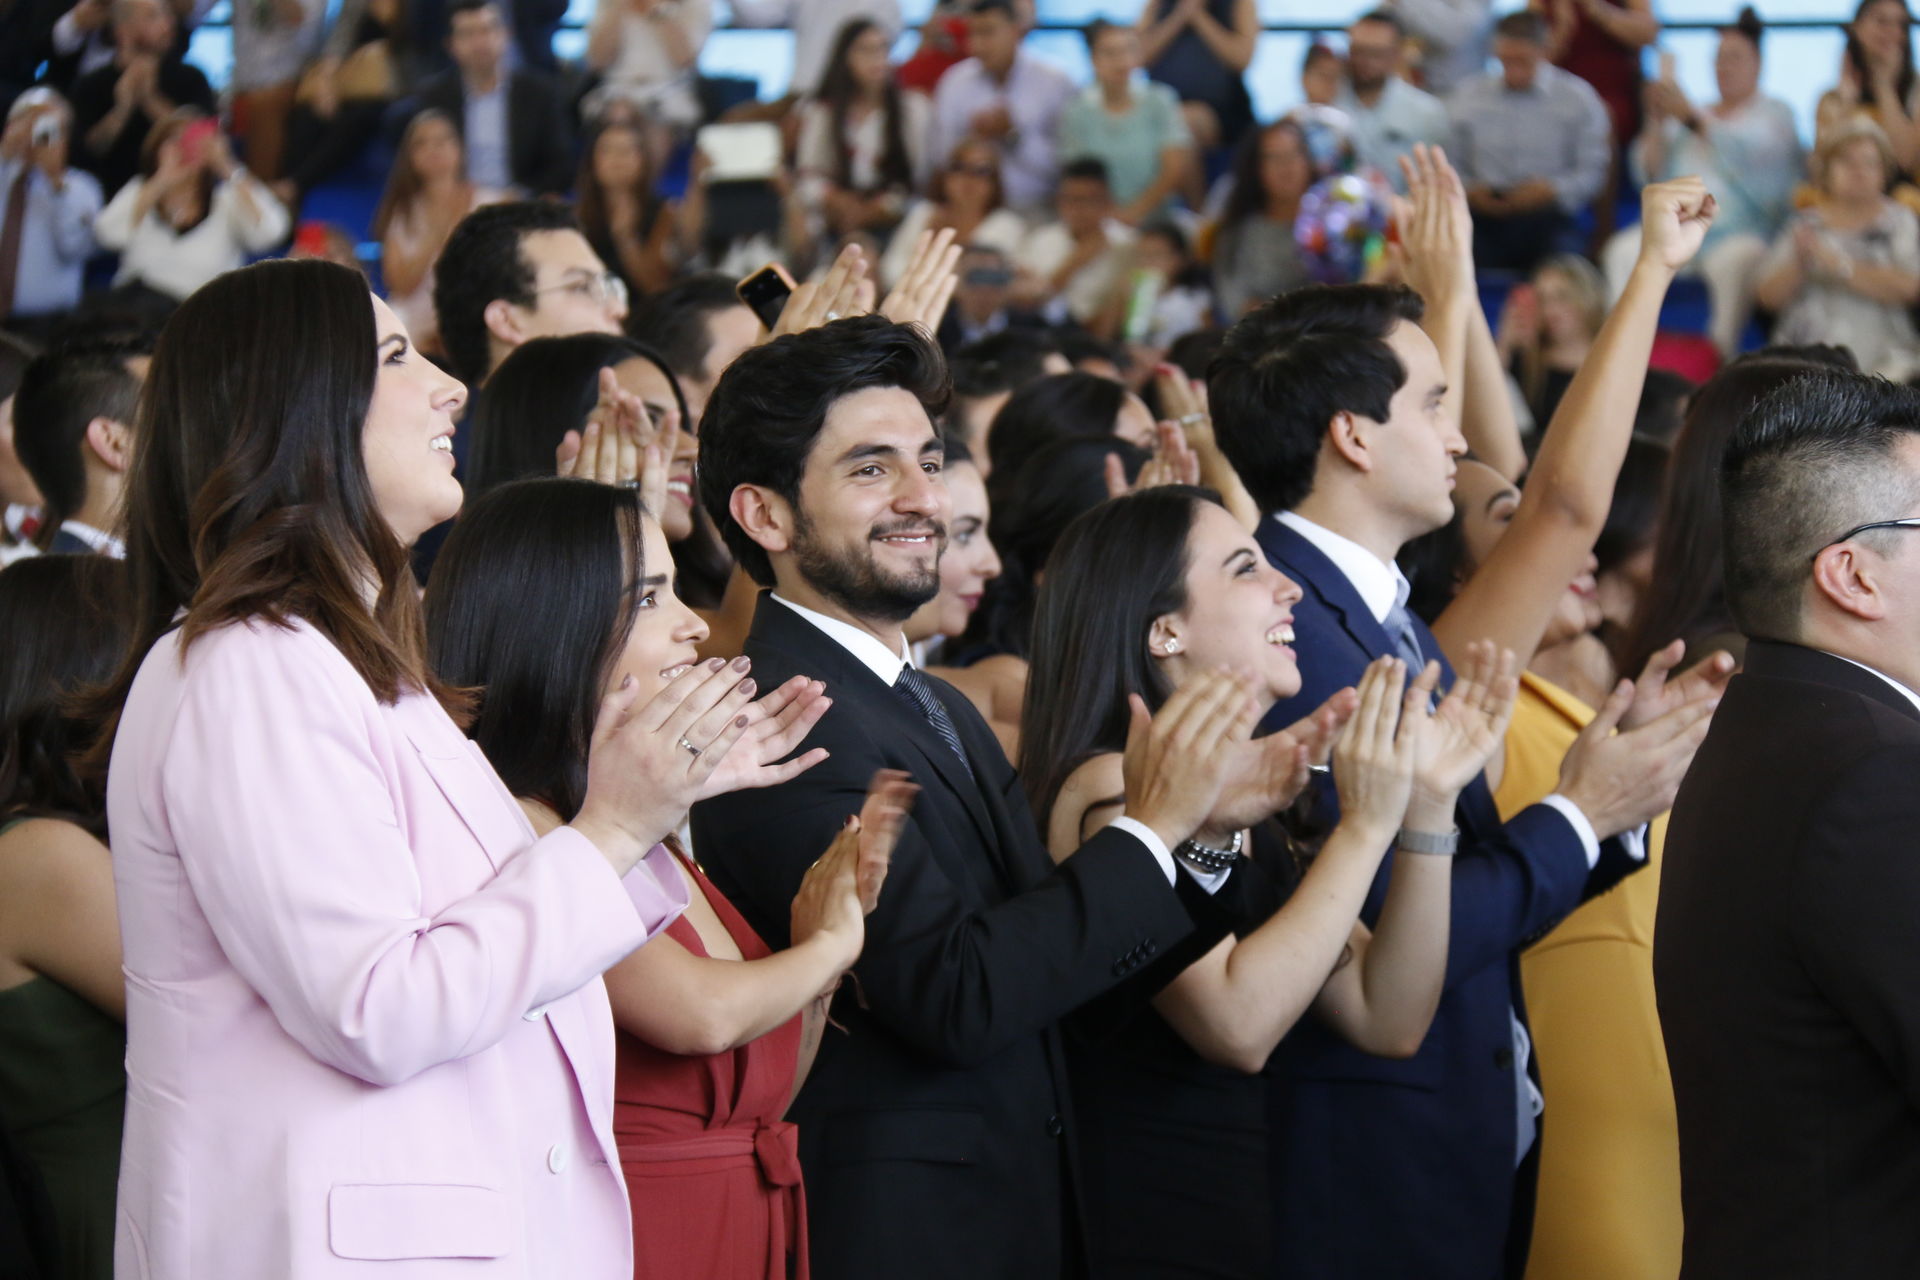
{"x":603,"y":290}
{"x":1910,"y":522}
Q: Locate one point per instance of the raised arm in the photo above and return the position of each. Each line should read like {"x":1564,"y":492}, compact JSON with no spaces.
{"x":1511,"y":596}
{"x":1437,"y":235}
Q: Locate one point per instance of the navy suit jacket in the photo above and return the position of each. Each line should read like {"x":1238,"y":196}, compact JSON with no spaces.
{"x":1385,"y":1167}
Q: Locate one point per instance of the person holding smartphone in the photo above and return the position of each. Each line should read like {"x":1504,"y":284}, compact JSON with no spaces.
{"x":41,"y":260}
{"x":193,"y":212}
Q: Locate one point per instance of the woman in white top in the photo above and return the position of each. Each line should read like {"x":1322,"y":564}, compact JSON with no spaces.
{"x":644,"y":52}
{"x":967,"y":196}
{"x":191,"y":214}
{"x":427,"y":195}
{"x":862,"y":140}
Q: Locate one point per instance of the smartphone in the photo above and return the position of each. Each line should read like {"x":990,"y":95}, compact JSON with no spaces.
{"x":194,"y":140}
{"x":766,"y":292}
{"x":46,"y":130}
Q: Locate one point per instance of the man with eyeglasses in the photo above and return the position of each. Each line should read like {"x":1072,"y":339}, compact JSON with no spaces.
{"x":516,"y":271}
{"x":1789,"y":925}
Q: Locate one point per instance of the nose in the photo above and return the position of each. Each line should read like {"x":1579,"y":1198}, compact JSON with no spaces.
{"x":693,"y":628}
{"x":1285,"y":589}
{"x":920,"y":494}
{"x":989,"y":563}
{"x":1593,"y":563}
{"x":450,"y":396}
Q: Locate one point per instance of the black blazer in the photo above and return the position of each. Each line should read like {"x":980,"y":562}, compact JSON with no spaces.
{"x":1787,"y":965}
{"x":540,"y":151}
{"x":1385,"y":1167}
{"x":935,"y":1132}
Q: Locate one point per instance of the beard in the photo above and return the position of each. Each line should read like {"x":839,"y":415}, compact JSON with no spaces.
{"x":856,"y":582}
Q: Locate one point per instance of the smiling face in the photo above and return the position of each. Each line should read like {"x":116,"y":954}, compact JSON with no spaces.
{"x":968,"y":563}
{"x":871,"y":522}
{"x":408,"y":439}
{"x":643,"y":378}
{"x":1239,"y":610}
{"x":665,"y":631}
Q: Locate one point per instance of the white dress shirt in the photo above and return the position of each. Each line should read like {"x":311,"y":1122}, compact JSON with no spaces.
{"x":1035,"y":93}
{"x":887,"y":663}
{"x":1905,"y":692}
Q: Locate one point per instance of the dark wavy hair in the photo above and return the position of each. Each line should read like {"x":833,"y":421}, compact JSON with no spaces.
{"x":545,"y":388}
{"x":249,"y":498}
{"x":530,"y":603}
{"x":1857,"y":57}
{"x":62,"y":627}
{"x":838,"y":93}
{"x":1056,"y":406}
{"x":1117,"y":568}
{"x":1247,"y":195}
{"x":482,"y":262}
{"x":772,"y":402}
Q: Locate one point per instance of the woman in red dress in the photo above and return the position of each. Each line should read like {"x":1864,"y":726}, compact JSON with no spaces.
{"x":548,"y":594}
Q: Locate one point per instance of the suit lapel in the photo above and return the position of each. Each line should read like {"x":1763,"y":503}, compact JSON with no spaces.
{"x":1307,"y":565}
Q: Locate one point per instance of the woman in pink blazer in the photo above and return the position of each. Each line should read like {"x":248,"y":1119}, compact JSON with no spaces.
{"x":366,"y":1029}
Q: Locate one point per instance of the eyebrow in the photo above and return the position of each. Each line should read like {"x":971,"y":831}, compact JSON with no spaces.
{"x":1504,"y":493}
{"x":874,"y":449}
{"x":387,"y":339}
{"x":1238,"y":553}
{"x":654,"y":580}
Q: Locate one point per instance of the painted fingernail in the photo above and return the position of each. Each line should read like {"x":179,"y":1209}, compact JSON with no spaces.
{"x":740,"y":722}
{"x":714,"y":664}
{"x":746,"y":686}
{"x":742,"y":662}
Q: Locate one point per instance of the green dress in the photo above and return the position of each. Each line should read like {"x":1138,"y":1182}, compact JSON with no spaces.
{"x":63,"y":1090}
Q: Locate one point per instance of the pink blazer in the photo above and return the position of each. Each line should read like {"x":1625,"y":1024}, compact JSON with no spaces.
{"x":366,"y":1032}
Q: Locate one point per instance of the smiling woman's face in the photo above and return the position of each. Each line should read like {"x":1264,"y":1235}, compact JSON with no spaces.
{"x":408,"y":439}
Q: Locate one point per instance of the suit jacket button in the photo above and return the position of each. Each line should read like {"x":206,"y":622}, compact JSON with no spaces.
{"x":1055,"y":1126}
{"x":1503,"y":1058}
{"x":1119,"y":966}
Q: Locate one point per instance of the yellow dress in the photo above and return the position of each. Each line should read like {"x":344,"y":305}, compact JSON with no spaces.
{"x":1609,"y":1202}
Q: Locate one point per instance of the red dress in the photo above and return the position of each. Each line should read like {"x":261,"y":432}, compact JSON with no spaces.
{"x":712,"y":1170}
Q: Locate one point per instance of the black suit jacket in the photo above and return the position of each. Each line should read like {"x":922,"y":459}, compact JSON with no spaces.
{"x":1787,"y":964}
{"x":540,"y":152}
{"x":935,"y":1132}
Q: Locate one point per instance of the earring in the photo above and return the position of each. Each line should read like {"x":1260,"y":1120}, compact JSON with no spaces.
{"x":1170,"y":648}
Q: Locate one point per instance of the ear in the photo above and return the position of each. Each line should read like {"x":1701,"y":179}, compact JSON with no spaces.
{"x":111,"y":442}
{"x":503,"y":322}
{"x":1849,"y":582}
{"x":1348,"y":438}
{"x":1164,"y":638}
{"x":764,"y":516}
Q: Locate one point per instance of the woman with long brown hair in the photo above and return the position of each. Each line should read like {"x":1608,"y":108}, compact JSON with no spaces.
{"x":862,"y":139}
{"x":621,"y":213}
{"x":365,"y":1014}
{"x":427,"y":194}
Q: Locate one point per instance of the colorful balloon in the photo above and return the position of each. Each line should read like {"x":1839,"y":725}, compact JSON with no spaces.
{"x":1341,"y":228}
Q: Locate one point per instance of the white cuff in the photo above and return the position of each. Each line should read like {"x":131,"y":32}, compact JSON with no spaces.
{"x":1149,"y":837}
{"x":1635,"y":843}
{"x":1582,"y":827}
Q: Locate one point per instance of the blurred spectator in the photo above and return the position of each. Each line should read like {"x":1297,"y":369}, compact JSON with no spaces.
{"x":1162,"y":295}
{"x":1320,"y":75}
{"x":621,"y":211}
{"x":987,"y":373}
{"x":1201,"y":49}
{"x":1847,"y":271}
{"x":428,"y":193}
{"x":1389,"y":115}
{"x":1134,"y":127}
{"x":1877,"y":81}
{"x":1663,"y":406}
{"x":1600,"y":42}
{"x":1007,"y":97}
{"x":1254,"y":253}
{"x":272,"y":42}
{"x":513,"y":122}
{"x":73,"y":429}
{"x":19,"y":496}
{"x":1068,"y":268}
{"x":1066,"y":406}
{"x":191,"y":214}
{"x":116,"y":106}
{"x":965,"y":194}
{"x":80,"y":39}
{"x":819,"y":27}
{"x":863,"y":139}
{"x":700,"y":326}
{"x":983,"y":301}
{"x":341,"y":99}
{"x":46,"y":213}
{"x":1547,"y":329}
{"x":1746,"y":148}
{"x":943,"y":44}
{"x":1533,"y":148}
{"x":516,"y":271}
{"x":328,"y":241}
{"x":531,"y":27}
{"x":644,"y":52}
{"x":1453,"y":39}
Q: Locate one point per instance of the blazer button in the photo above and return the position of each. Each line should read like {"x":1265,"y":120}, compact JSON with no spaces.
{"x":1503,"y":1058}
{"x":1119,"y":967}
{"x":1055,"y":1126}
{"x":557,"y":1158}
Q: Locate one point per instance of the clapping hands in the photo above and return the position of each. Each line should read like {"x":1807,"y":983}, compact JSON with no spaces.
{"x":621,"y":444}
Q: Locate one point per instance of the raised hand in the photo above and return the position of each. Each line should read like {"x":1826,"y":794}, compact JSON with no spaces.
{"x":843,"y":885}
{"x":927,"y":285}
{"x":1436,"y":236}
{"x":1177,"y":761}
{"x":1655,"y":693}
{"x":1457,"y":738}
{"x":1173,"y":462}
{"x":1674,"y":219}
{"x":1374,"y":760}
{"x":613,"y":444}
{"x":776,"y":725}
{"x":811,"y":305}
{"x":1620,"y":780}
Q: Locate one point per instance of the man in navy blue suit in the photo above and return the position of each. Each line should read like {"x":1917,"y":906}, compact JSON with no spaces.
{"x":1331,"y":403}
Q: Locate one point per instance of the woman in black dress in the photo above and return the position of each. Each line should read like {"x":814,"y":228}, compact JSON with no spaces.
{"x":1142,"y":592}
